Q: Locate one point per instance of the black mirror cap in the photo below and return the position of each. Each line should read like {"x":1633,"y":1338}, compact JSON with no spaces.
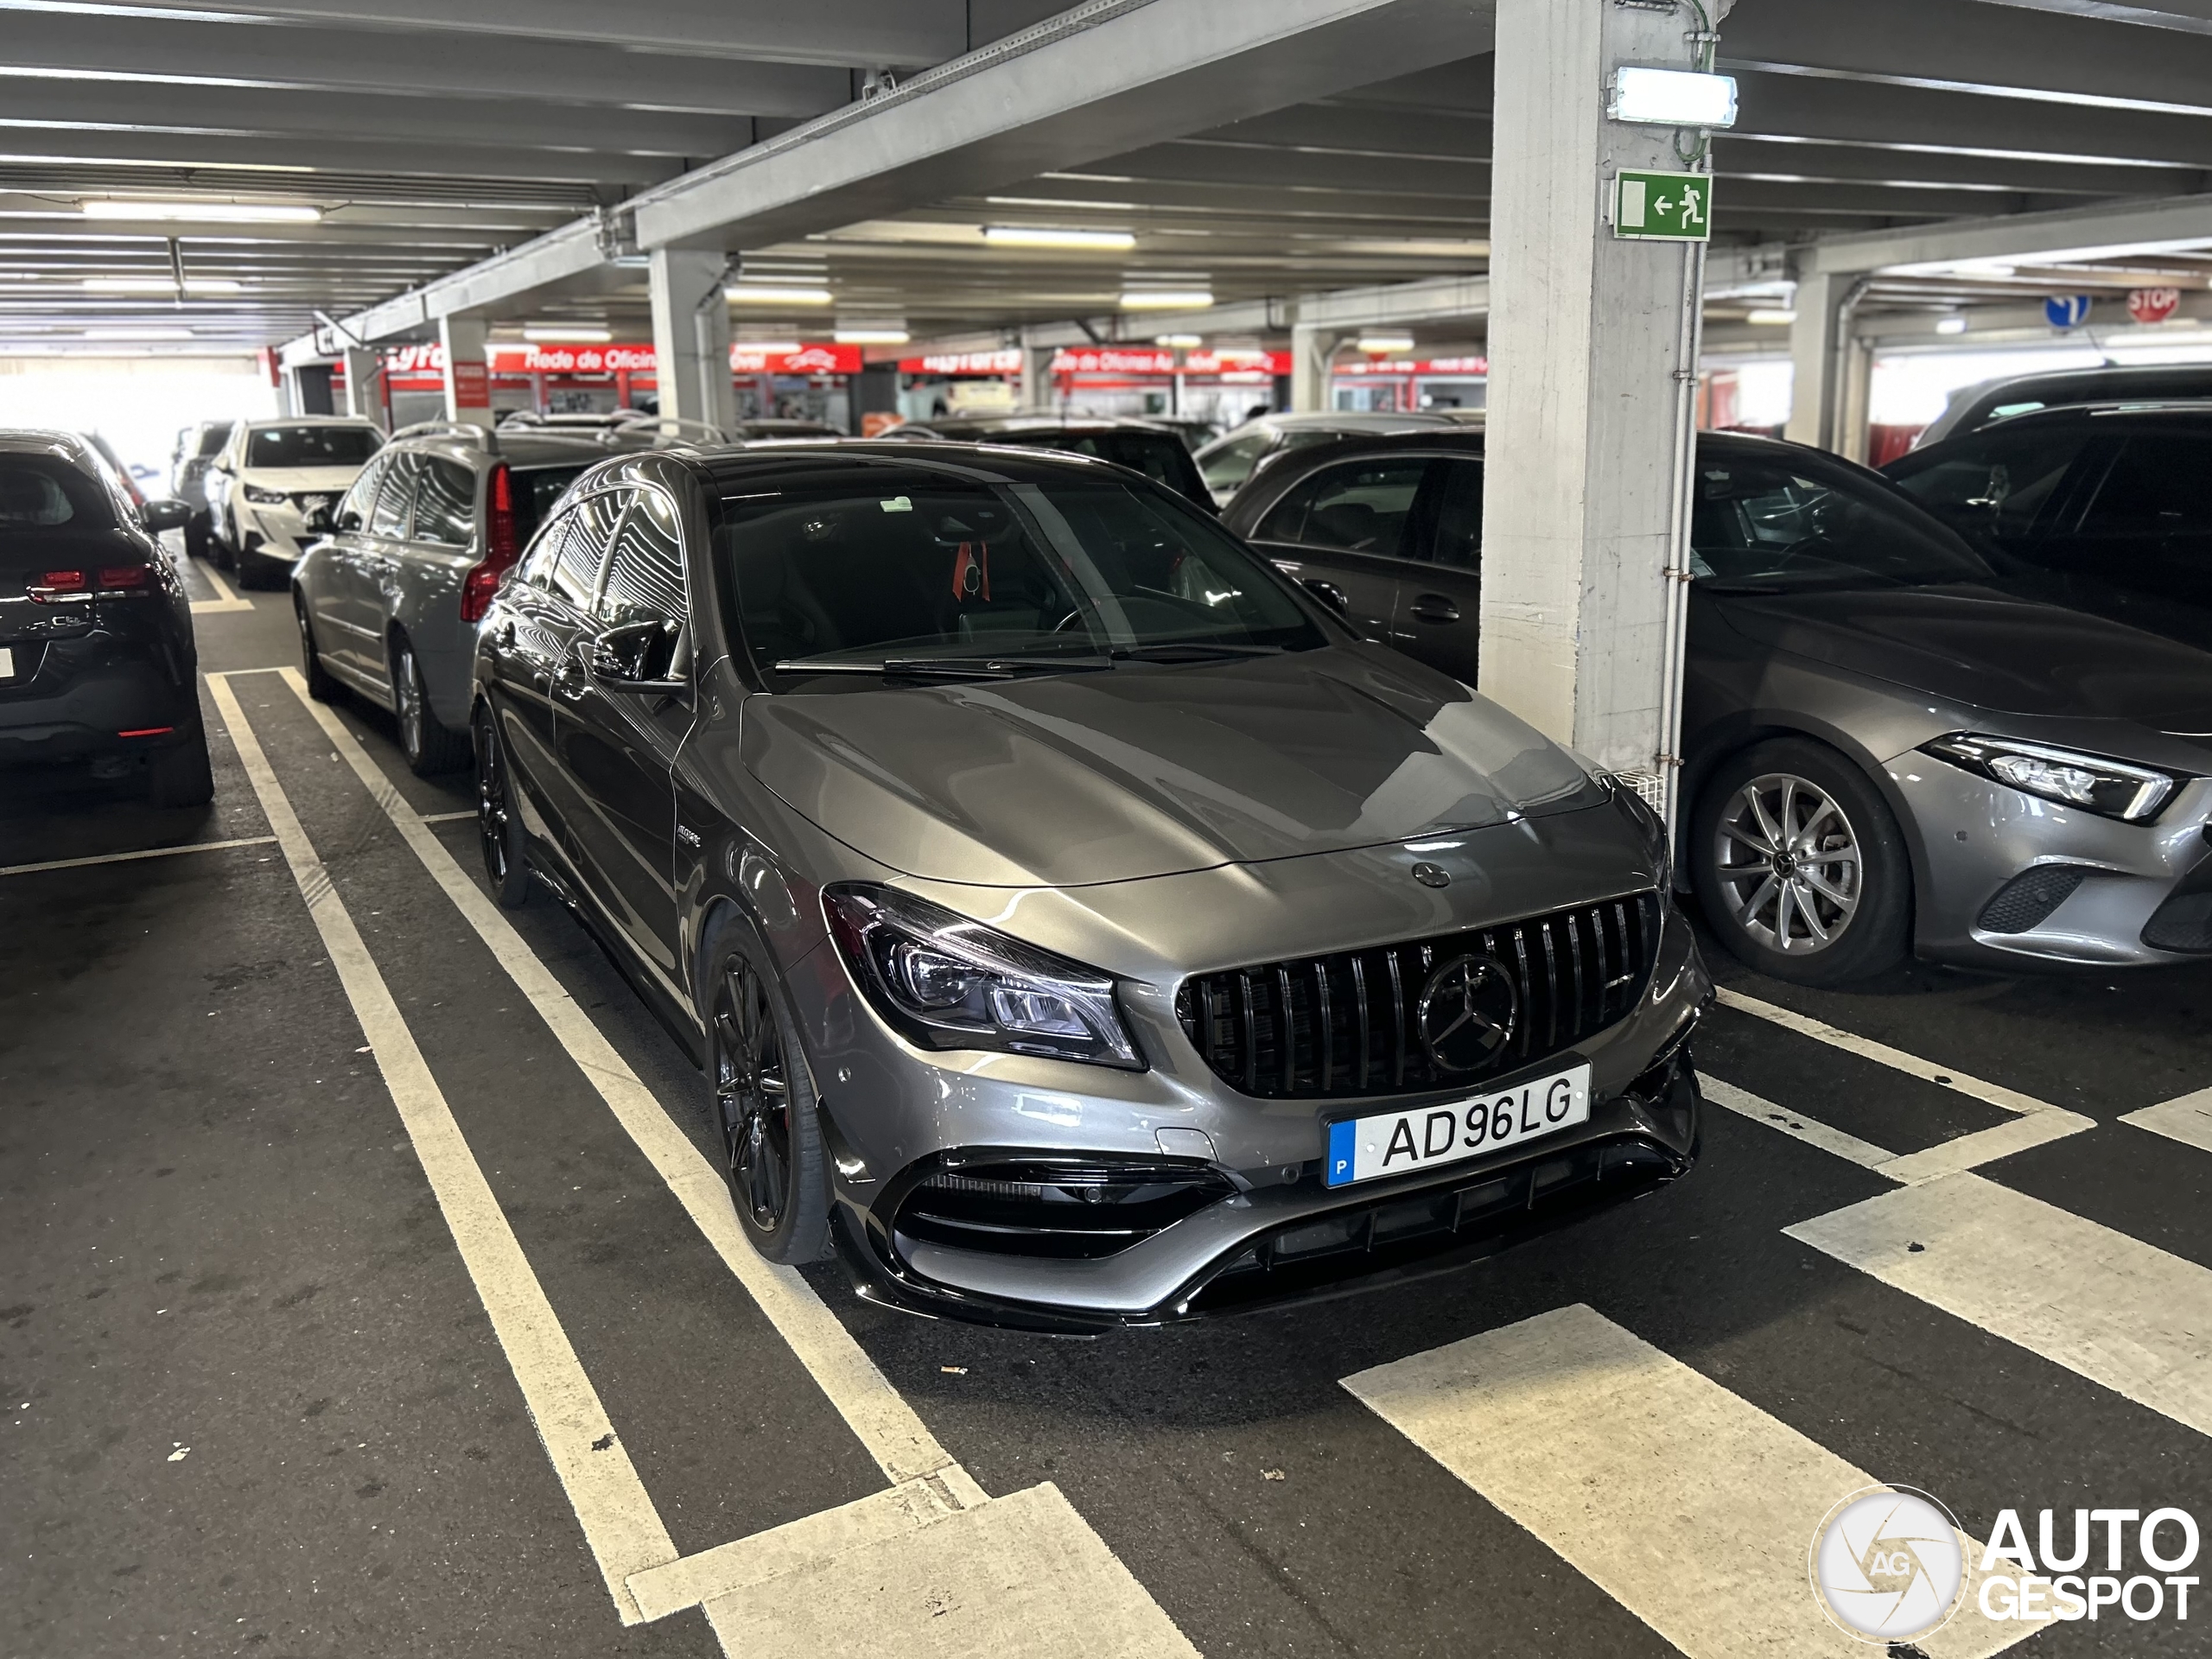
{"x":636,"y":656}
{"x":164,"y":514}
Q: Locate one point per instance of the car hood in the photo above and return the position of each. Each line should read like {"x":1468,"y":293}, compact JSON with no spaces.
{"x":1991,"y":649}
{"x":1072,"y":780}
{"x":294,"y":480}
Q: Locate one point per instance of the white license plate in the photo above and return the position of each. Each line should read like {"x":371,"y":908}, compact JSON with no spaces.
{"x":7,"y":664}
{"x":1429,"y":1137}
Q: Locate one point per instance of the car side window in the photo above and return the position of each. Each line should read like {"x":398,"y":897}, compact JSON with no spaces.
{"x":574,"y":572}
{"x":545,"y":552}
{"x":2159,"y":486}
{"x":1359,"y":506}
{"x":353,"y":510}
{"x":389,"y":516}
{"x":644,"y":571}
{"x":1457,"y":543}
{"x":1998,"y":484}
{"x":445,"y":503}
{"x":1229,"y":465}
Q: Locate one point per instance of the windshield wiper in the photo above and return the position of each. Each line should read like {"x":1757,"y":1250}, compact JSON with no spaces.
{"x":1008,"y":667}
{"x":1191,"y":651}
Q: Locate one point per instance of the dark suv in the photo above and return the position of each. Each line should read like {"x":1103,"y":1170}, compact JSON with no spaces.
{"x":97,"y":661}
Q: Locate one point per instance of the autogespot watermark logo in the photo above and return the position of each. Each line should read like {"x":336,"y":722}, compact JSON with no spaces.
{"x":1888,"y":1564}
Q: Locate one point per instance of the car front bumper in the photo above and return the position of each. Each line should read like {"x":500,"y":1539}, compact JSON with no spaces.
{"x":1978,"y":838}
{"x":896,"y":1112}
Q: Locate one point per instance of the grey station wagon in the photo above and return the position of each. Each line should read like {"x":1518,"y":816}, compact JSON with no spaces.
{"x":1078,"y":923}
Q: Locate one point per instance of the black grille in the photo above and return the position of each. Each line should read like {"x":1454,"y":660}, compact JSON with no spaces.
{"x":2184,"y":923}
{"x":1068,"y":1208}
{"x":1348,"y":1024}
{"x":2028,"y":897}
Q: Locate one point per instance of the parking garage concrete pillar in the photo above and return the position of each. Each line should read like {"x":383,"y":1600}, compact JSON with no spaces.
{"x":1036,"y":386}
{"x":364,"y":387}
{"x":1831,"y":371}
{"x":1593,"y":345}
{"x":691,"y":336}
{"x":469,"y":376}
{"x":1313,"y":349}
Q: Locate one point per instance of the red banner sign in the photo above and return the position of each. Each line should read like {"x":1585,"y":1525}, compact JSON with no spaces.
{"x":963,"y":363}
{"x":427,"y":360}
{"x":1475,"y":367}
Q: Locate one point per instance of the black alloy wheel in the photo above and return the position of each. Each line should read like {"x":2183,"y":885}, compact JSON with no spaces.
{"x":428,"y":746}
{"x":499,"y":827}
{"x":321,"y":685}
{"x":764,"y":1109}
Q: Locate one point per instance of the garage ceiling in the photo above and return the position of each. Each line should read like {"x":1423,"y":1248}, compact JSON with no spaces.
{"x":428,"y":134}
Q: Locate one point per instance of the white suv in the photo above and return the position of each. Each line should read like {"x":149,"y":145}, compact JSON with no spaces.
{"x":271,"y":476}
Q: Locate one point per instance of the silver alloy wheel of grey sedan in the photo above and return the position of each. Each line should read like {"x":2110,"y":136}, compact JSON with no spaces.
{"x":1789,"y":863}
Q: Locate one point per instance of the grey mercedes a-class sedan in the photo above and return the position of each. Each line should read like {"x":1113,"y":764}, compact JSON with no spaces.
{"x":1078,"y":925}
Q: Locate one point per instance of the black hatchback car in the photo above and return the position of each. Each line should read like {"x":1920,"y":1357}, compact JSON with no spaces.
{"x":1895,"y":738}
{"x":97,"y":662}
{"x":1158,"y":452}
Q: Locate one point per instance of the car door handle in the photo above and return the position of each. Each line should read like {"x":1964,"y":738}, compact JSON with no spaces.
{"x":1434,"y":608}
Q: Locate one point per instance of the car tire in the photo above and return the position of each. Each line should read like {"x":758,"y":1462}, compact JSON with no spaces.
{"x":430,"y":746}
{"x":322,"y":686}
{"x":1800,"y":866}
{"x":763,"y":1106}
{"x":499,"y":832}
{"x":182,"y":775}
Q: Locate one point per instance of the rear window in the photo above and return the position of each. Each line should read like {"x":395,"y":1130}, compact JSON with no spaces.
{"x":537,"y":488}
{"x":212,"y":439}
{"x":39,"y":494}
{"x":1161,"y":456}
{"x":312,"y":445}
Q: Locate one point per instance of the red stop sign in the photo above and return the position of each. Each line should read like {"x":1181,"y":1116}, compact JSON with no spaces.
{"x":2152,"y":304}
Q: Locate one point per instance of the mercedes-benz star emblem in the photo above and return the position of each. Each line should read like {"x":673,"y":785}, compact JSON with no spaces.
{"x":1467,"y":1013}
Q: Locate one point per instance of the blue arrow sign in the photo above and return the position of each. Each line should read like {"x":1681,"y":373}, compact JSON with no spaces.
{"x":2066,"y":311}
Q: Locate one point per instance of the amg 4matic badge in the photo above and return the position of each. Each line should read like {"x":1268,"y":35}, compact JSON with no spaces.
{"x":1401,"y":1143}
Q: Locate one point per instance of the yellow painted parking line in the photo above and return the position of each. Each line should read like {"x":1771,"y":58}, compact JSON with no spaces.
{"x":620,"y":1525}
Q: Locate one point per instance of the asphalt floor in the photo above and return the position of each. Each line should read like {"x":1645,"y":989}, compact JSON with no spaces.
{"x":254,"y":1403}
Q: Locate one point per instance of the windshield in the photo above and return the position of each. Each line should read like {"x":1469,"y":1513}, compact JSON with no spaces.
{"x":918,"y":568}
{"x":312,"y":445}
{"x":1768,"y":525}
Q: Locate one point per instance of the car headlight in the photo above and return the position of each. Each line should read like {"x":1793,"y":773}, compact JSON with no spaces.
{"x":2111,"y":789}
{"x":941,"y":981}
{"x":262,"y":497}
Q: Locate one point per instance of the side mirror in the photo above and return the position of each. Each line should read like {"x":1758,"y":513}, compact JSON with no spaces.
{"x":161,"y":515}
{"x":348,"y":521}
{"x":637,"y":656}
{"x":1330,"y":595}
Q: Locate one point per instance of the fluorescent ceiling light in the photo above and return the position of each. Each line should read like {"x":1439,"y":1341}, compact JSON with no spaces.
{"x":235,"y":213}
{"x":1673,"y":97}
{"x":578,"y":334}
{"x":1383,"y":345}
{"x":1768,"y":316}
{"x":161,"y":285}
{"x":1166,"y":299}
{"x":1180,"y":342}
{"x":137,"y":334}
{"x":872,"y":336}
{"x":1950,"y":325}
{"x":1035,"y":236}
{"x":766,"y":348}
{"x":772,"y":293}
{"x":1062,"y":202}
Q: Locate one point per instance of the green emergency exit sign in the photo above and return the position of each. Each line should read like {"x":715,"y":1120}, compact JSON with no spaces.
{"x":1663,"y":206}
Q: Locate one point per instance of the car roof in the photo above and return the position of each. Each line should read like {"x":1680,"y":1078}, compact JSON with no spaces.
{"x":962,"y":425}
{"x":523,"y":447}
{"x":32,"y":440}
{"x":2131,"y":410}
{"x":260,"y":421}
{"x":732,"y":468}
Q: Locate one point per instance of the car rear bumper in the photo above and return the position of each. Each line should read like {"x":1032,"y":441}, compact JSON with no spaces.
{"x":110,"y":699}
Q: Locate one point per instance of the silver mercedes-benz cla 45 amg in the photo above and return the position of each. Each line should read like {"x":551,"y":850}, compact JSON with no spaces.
{"x":1078,"y":925}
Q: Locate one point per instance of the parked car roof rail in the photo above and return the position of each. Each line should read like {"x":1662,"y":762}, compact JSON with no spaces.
{"x":673,"y":426}
{"x":480,"y":435}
